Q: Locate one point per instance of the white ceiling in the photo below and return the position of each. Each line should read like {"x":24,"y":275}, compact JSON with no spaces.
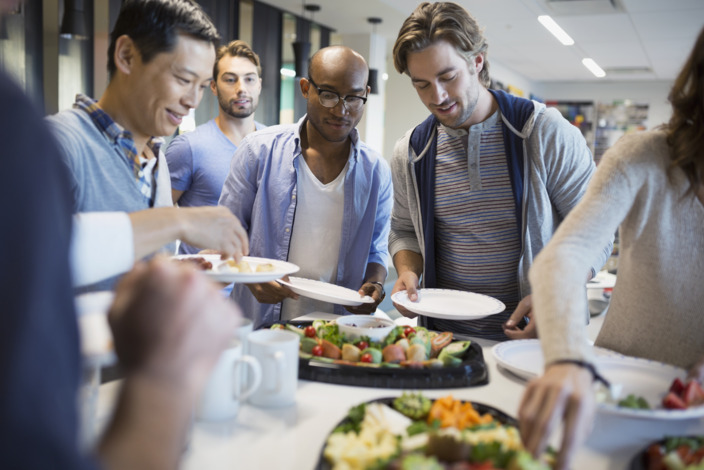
{"x":622,"y":36}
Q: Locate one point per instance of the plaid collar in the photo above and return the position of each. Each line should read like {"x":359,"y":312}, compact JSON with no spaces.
{"x":109,"y":127}
{"x":146,"y":182}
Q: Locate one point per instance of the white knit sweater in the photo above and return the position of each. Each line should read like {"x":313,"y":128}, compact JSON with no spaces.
{"x":657,"y":306}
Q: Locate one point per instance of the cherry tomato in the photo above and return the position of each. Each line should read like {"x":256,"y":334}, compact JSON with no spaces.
{"x":309,"y":331}
{"x":362,"y":345}
{"x":408,"y":331}
{"x":317,"y":350}
{"x":366,"y":357}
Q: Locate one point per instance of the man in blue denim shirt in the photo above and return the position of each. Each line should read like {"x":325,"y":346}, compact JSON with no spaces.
{"x":313,"y":194}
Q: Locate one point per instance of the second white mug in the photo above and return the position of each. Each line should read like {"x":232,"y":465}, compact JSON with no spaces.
{"x":277,"y":352}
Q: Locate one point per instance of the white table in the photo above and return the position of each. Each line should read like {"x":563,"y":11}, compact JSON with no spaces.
{"x":292,"y":438}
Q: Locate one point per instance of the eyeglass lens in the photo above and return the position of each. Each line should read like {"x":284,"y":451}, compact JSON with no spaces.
{"x":329,"y":99}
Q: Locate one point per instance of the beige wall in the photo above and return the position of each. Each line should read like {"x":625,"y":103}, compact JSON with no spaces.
{"x":404,"y":110}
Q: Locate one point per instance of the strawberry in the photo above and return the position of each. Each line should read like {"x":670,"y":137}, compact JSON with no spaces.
{"x":677,"y":386}
{"x":673,"y":402}
{"x":693,"y":394}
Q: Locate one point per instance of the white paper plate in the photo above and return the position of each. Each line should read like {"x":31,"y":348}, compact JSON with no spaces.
{"x":326,"y":292}
{"x":450,"y":304}
{"x":524,"y":357}
{"x":602,"y":280}
{"x":648,"y":379}
{"x":222,"y":272}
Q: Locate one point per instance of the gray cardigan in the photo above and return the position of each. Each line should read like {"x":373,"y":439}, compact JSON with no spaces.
{"x":556,"y":170}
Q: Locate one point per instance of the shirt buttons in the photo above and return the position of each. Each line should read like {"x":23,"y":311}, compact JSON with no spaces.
{"x":293,"y":197}
{"x":287,"y":230}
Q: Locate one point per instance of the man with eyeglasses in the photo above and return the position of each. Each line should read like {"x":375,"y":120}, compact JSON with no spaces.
{"x":314,"y":194}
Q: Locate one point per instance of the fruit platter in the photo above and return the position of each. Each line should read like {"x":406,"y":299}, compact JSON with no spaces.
{"x":671,"y":453}
{"x":414,"y":431}
{"x":405,"y":357}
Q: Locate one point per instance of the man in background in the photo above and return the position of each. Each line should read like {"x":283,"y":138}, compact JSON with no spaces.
{"x":160,"y":60}
{"x":482,"y":184}
{"x":169,"y":324}
{"x":314,"y":194}
{"x":200,"y":160}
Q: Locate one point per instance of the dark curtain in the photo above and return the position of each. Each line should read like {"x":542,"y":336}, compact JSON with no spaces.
{"x":324,"y":36}
{"x":302,"y":34}
{"x":266,"y":40}
{"x":34,"y":55}
{"x":225,"y":16}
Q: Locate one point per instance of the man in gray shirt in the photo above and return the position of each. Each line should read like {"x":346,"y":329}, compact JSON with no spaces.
{"x":158,"y":72}
{"x":481,"y":185}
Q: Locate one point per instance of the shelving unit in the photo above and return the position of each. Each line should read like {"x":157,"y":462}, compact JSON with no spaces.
{"x":614,"y":120}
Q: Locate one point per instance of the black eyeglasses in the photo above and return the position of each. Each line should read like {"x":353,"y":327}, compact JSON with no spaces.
{"x":329,"y":99}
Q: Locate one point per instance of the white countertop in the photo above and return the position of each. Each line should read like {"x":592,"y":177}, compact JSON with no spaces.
{"x":292,"y":437}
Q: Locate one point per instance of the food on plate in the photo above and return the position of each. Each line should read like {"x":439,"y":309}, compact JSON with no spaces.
{"x":456,"y":414}
{"x":198,"y":262}
{"x":634,"y":401}
{"x":265,"y":268}
{"x":684,"y":395}
{"x":412,"y":405}
{"x":378,"y":435}
{"x":675,"y":453}
{"x":402,"y":347}
{"x":239,"y":267}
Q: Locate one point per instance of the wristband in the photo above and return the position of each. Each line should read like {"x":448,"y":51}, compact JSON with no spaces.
{"x":596,"y":376}
{"x":380,"y":284}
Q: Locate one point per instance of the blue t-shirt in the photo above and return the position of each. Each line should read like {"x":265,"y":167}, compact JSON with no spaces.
{"x":199,"y":162}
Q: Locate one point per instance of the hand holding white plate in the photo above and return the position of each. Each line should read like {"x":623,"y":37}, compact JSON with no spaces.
{"x":325,"y":291}
{"x":262,"y":269}
{"x":450,"y":304}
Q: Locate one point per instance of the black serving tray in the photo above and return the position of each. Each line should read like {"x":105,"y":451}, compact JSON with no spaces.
{"x":640,"y":461}
{"x":472,"y":372}
{"x":498,"y":415}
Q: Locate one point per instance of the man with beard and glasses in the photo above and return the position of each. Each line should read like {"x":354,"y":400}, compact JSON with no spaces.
{"x":314,"y":194}
{"x":481,"y":184}
{"x":200,"y":160}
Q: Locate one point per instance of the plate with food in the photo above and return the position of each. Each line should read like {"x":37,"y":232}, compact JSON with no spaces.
{"x":649,"y":390}
{"x":249,"y":269}
{"x":671,"y":453}
{"x":524,"y":357}
{"x":450,"y":304}
{"x":326,"y":292}
{"x":414,"y":431}
{"x":400,"y":357}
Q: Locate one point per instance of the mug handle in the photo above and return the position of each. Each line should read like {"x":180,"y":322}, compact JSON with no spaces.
{"x":237,"y":392}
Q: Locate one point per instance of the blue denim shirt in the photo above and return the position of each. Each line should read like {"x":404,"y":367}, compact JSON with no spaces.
{"x":261,"y":191}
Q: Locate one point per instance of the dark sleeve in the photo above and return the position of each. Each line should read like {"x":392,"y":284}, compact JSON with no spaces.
{"x":39,"y":344}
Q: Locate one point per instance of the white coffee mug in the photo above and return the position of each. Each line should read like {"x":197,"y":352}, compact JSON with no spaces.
{"x":277,"y":352}
{"x":227,"y":386}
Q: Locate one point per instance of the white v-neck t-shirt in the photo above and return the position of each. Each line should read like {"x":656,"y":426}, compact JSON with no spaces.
{"x":316,"y":235}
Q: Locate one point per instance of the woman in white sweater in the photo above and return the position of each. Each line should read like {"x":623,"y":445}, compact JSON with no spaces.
{"x":651,"y":185}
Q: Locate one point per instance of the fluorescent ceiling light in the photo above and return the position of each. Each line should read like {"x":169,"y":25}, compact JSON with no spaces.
{"x":288,"y":73}
{"x":594,"y":68}
{"x":555,"y":29}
